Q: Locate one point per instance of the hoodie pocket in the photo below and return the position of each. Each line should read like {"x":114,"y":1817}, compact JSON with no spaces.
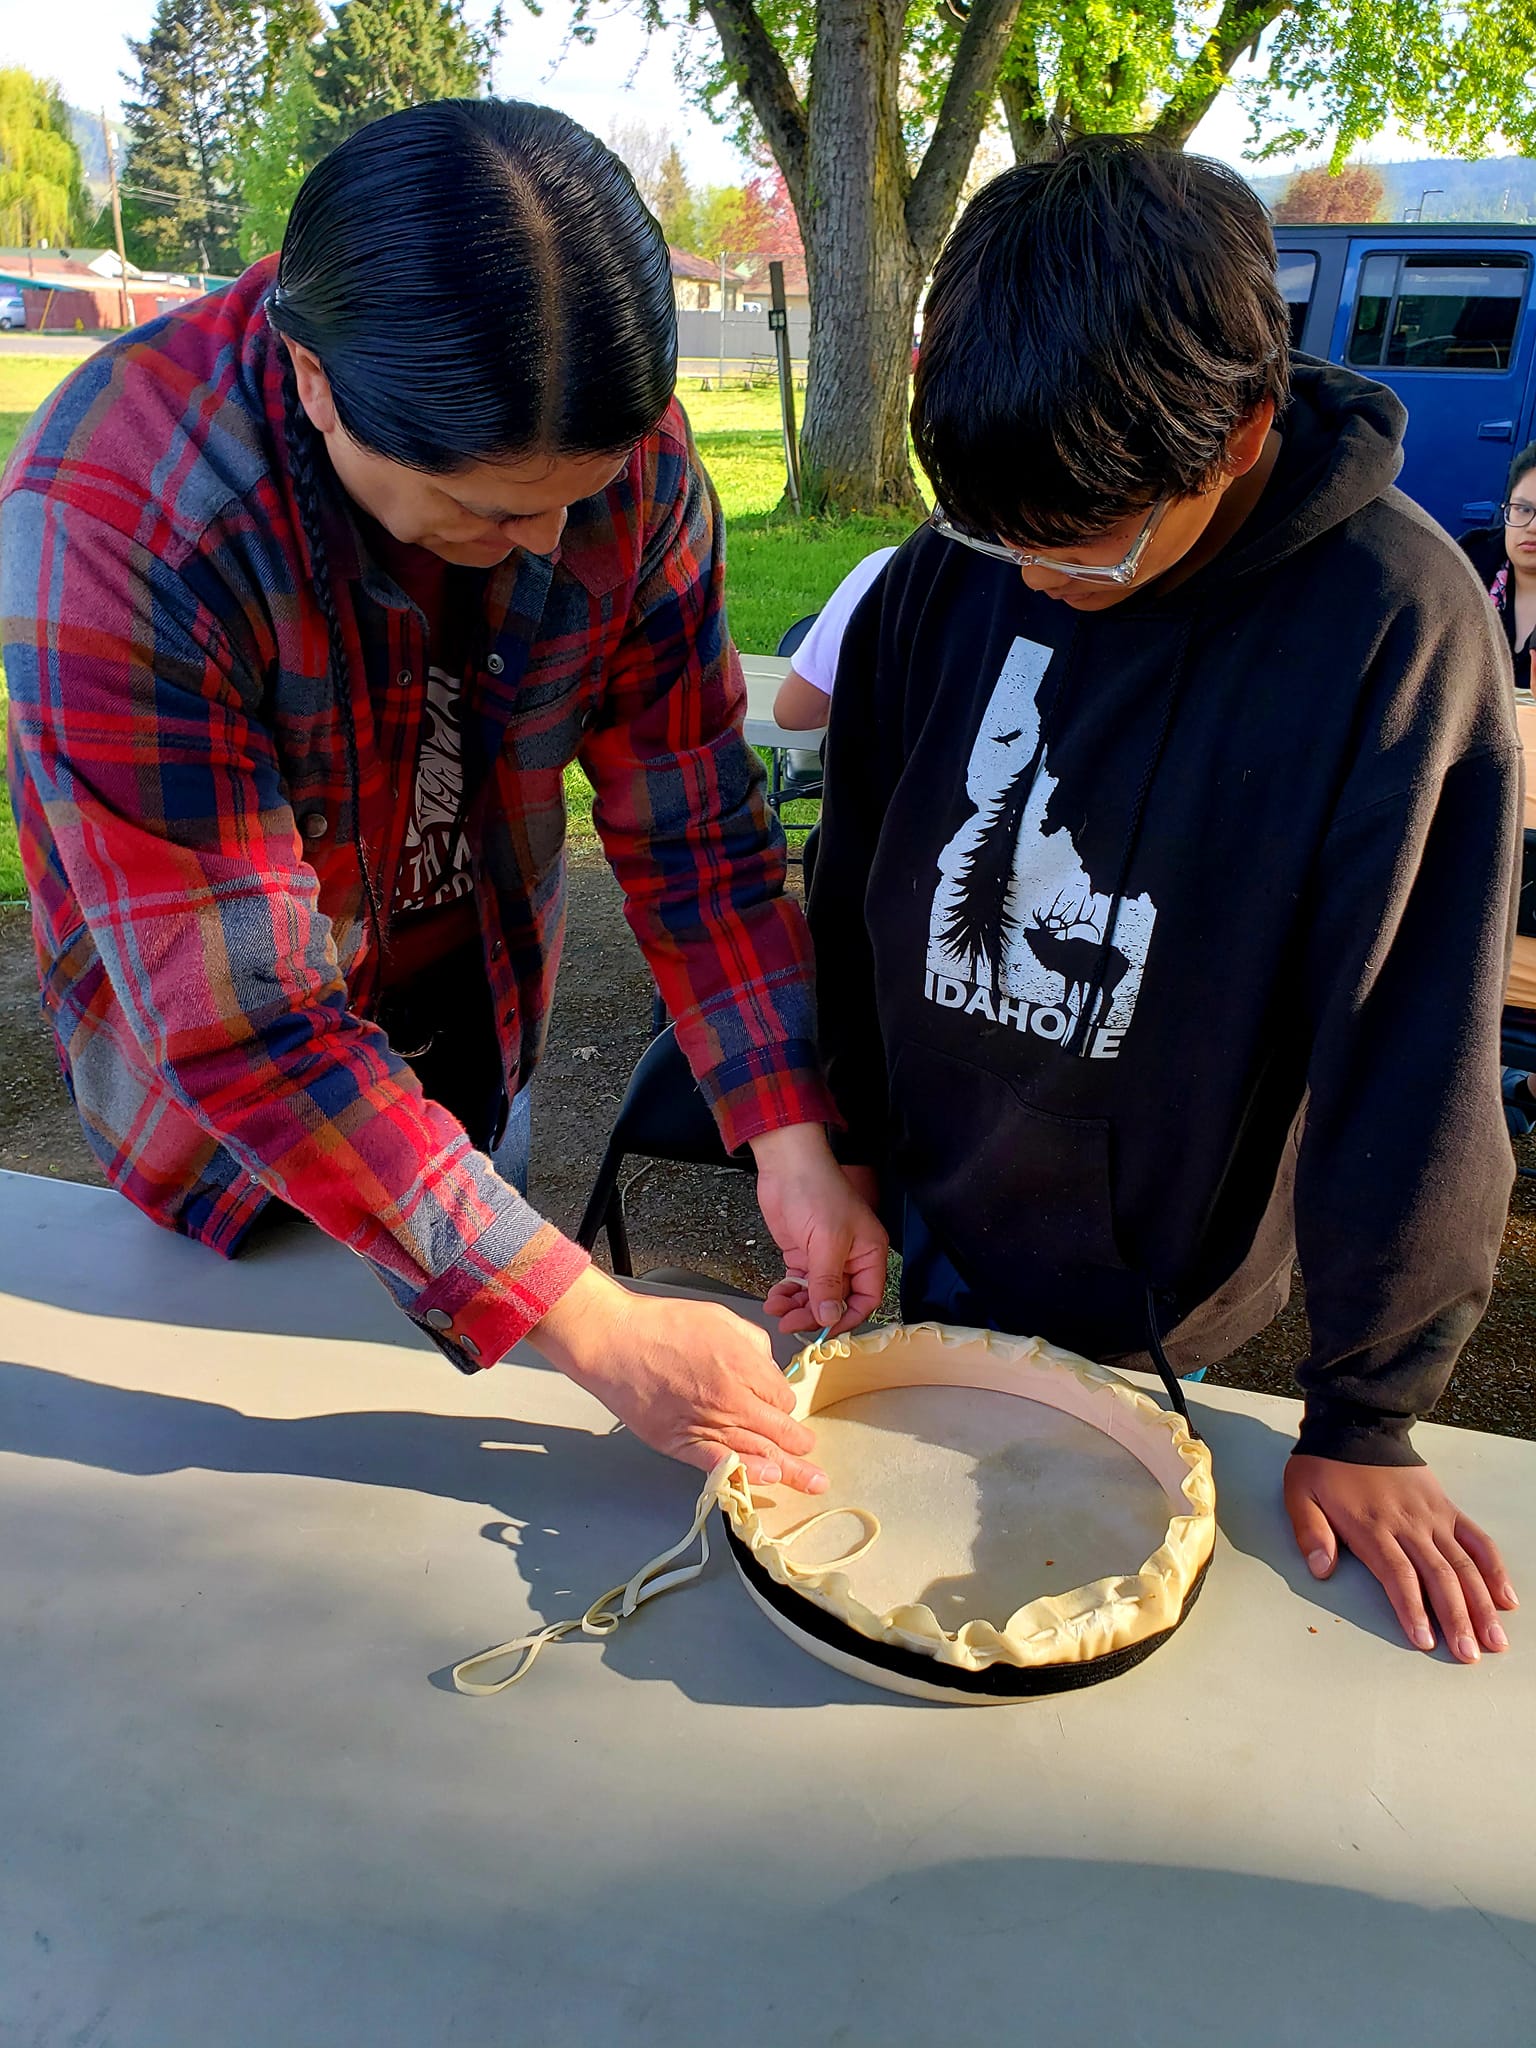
{"x":1019,"y":1196}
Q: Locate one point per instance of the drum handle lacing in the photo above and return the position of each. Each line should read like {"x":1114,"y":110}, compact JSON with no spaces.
{"x":603,"y":1617}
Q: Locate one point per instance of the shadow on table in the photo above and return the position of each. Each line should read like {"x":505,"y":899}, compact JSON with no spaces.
{"x":1080,"y":1954}
{"x":930,"y":1948}
{"x":576,"y":1512}
{"x":581,"y":1511}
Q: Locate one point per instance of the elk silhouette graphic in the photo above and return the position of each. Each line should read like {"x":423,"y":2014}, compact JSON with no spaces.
{"x":1066,"y":941}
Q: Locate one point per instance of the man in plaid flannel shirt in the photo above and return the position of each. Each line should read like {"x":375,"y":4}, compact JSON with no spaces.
{"x":185,"y":789}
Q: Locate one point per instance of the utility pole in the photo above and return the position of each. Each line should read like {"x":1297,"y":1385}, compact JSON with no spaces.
{"x":721,"y":385}
{"x":117,"y":226}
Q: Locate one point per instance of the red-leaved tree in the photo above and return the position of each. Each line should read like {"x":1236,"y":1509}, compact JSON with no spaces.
{"x":1355,"y":193}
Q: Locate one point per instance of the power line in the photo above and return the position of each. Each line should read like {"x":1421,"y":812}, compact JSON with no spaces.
{"x":182,"y":199}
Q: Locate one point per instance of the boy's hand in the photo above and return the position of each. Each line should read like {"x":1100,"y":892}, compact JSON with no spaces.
{"x":1399,"y":1523}
{"x":834,"y":1245}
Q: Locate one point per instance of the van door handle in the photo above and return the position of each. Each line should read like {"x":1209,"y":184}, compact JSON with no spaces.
{"x":1496,"y":430}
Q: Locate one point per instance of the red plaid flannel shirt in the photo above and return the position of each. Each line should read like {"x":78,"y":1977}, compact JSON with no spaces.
{"x":180,"y":780}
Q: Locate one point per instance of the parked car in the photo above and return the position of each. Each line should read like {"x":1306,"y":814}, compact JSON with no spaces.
{"x":1442,"y":314}
{"x":13,"y":312}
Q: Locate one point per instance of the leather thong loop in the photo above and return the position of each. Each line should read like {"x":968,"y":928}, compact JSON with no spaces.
{"x":610,"y":1608}
{"x":1173,"y":1386}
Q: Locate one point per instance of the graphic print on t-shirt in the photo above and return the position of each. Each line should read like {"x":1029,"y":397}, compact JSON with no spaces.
{"x":1016,"y":933}
{"x":436,"y":863}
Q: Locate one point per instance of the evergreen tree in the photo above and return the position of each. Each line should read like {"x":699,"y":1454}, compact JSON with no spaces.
{"x":42,"y":189}
{"x":284,"y":26}
{"x":381,"y":55}
{"x":673,"y":201}
{"x":197,"y":87}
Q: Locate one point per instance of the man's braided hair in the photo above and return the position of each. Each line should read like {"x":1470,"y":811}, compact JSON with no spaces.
{"x":303,"y":458}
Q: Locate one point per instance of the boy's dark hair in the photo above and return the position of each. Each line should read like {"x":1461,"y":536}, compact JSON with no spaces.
{"x":1097,"y":328}
{"x":1521,"y":468}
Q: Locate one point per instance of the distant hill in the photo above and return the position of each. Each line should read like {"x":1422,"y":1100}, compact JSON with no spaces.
{"x":93,"y":150}
{"x":1498,"y":188}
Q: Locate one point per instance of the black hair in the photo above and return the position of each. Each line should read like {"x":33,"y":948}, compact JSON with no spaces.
{"x":1521,"y":468}
{"x":479,"y":279}
{"x":1098,"y":327}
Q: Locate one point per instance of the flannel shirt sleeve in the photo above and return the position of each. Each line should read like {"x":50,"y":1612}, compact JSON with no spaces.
{"x":682,"y":815}
{"x":136,"y":717}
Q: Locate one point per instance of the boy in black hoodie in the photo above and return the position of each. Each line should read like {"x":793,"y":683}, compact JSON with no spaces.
{"x":1174,"y":789}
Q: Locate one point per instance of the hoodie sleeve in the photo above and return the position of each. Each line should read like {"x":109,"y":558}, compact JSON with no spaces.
{"x":848,"y":1023}
{"x":1405,"y":1169}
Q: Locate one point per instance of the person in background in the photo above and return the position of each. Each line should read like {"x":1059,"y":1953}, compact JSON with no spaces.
{"x":310,"y":593}
{"x":805,"y":695}
{"x":1165,"y":894}
{"x":1505,"y":558}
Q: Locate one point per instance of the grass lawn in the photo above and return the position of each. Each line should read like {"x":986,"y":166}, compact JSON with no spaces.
{"x":25,"y":381}
{"x":777,"y":568}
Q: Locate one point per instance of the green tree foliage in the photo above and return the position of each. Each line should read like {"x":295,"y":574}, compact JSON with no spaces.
{"x":194,"y":100}
{"x":42,"y":189}
{"x":282,"y":147}
{"x":382,"y":55}
{"x":1353,"y":194}
{"x":1457,"y":73}
{"x":731,"y":219}
{"x":872,"y":110}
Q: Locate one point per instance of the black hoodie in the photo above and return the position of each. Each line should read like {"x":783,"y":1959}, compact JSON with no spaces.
{"x":1103,"y":897}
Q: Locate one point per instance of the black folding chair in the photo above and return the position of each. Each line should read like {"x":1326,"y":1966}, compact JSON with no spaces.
{"x":790,"y":781}
{"x":663,"y":1116}
{"x":808,"y":857}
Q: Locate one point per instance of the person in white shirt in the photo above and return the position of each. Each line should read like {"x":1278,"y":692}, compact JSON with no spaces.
{"x":804,"y":699}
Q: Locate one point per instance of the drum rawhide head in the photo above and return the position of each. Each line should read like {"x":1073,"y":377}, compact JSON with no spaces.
{"x":918,"y":1425}
{"x":987,"y":1497}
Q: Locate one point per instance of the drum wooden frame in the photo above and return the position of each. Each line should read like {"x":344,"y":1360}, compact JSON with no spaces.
{"x":1053,"y":1642}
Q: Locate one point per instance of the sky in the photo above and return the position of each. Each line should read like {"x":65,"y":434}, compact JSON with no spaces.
{"x":620,"y":77}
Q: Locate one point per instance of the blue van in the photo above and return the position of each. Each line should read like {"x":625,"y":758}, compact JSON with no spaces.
{"x":1442,"y":314}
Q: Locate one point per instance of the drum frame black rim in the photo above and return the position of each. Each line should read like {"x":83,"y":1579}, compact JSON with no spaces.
{"x":998,"y":1680}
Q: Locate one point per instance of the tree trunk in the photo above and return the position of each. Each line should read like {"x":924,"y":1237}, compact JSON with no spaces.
{"x":861,"y":265}
{"x":871,"y":229}
{"x":1238,"y":28}
{"x":1023,"y":101}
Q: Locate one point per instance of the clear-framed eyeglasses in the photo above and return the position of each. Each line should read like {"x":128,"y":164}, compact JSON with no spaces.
{"x":1123,"y":571}
{"x":1517,"y":512}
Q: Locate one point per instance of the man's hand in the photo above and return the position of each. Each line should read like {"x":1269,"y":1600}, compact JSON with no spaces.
{"x":1399,"y":1523}
{"x":688,"y":1377}
{"x":833,"y":1243}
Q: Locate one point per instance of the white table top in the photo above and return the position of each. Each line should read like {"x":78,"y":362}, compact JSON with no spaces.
{"x":764,"y":673}
{"x":249,"y":1520}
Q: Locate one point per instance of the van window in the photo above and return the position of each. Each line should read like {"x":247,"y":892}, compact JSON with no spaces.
{"x":1373,"y":302}
{"x":1438,"y":312}
{"x":1296,"y":274}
